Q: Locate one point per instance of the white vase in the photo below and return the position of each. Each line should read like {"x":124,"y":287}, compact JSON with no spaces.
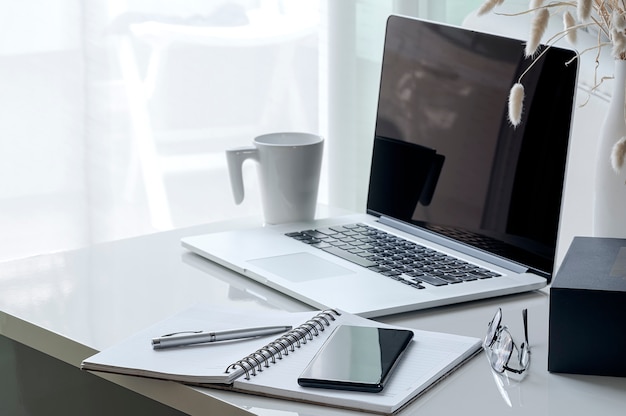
{"x":609,"y":208}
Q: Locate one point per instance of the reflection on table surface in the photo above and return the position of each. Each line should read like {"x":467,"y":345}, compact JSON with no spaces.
{"x":68,"y":305}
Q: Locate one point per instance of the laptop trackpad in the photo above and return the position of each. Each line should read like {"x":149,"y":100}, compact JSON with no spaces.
{"x":300,"y":267}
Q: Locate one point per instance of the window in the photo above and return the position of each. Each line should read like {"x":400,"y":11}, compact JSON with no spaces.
{"x":117,"y":113}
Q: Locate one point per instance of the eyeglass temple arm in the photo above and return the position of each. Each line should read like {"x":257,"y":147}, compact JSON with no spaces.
{"x":525,"y":319}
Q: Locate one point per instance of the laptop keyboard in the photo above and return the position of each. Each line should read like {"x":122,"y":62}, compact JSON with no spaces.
{"x":392,"y":256}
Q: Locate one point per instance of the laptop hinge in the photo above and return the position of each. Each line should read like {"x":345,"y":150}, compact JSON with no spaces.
{"x":463,"y":248}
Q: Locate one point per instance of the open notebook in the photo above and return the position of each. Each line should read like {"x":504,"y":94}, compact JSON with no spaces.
{"x":274,"y":371}
{"x":471,"y":205}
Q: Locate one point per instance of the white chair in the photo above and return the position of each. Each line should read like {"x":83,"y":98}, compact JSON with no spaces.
{"x":185,"y":114}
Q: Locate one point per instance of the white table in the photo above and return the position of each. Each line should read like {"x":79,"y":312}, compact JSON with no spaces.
{"x":68,"y":305}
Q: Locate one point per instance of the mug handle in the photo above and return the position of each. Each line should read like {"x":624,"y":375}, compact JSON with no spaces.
{"x":235,"y":159}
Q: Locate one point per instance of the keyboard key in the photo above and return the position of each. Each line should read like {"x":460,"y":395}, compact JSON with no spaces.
{"x":468,"y":277}
{"x":322,"y":244}
{"x":431,"y":280}
{"x":450,"y":279}
{"x":315,"y":234}
{"x":349,"y":256}
{"x":481,"y":274}
{"x":326,"y":231}
{"x":311,"y":241}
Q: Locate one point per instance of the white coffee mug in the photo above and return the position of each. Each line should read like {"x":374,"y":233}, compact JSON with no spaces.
{"x":289,"y":166}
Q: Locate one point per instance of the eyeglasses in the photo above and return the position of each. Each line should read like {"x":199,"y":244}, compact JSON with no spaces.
{"x":499,"y":346}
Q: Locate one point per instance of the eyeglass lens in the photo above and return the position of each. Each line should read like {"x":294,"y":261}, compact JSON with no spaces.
{"x":502,"y":349}
{"x":499,"y":344}
{"x":492,"y":329}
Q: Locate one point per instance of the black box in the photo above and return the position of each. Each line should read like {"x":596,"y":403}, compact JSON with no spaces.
{"x":587,"y":327}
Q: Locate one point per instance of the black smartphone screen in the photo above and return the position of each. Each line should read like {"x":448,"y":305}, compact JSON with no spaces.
{"x":356,"y":358}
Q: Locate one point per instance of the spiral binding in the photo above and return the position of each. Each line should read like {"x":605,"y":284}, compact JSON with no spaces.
{"x":285,"y":344}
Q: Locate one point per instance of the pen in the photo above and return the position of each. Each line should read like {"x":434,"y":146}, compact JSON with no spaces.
{"x":179,"y":339}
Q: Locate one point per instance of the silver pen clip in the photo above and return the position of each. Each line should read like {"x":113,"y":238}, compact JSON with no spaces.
{"x":181,"y":332}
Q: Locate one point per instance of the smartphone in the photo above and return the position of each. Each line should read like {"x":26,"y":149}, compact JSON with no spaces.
{"x":356,"y":358}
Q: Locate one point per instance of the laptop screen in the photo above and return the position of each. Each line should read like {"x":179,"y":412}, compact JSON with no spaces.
{"x":445,"y":156}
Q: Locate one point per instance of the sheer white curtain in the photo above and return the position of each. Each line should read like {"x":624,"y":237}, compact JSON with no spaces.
{"x":114,"y":115}
{"x":355,"y":31}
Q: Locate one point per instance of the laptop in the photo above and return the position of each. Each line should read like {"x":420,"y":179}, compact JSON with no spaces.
{"x":461,"y":205}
